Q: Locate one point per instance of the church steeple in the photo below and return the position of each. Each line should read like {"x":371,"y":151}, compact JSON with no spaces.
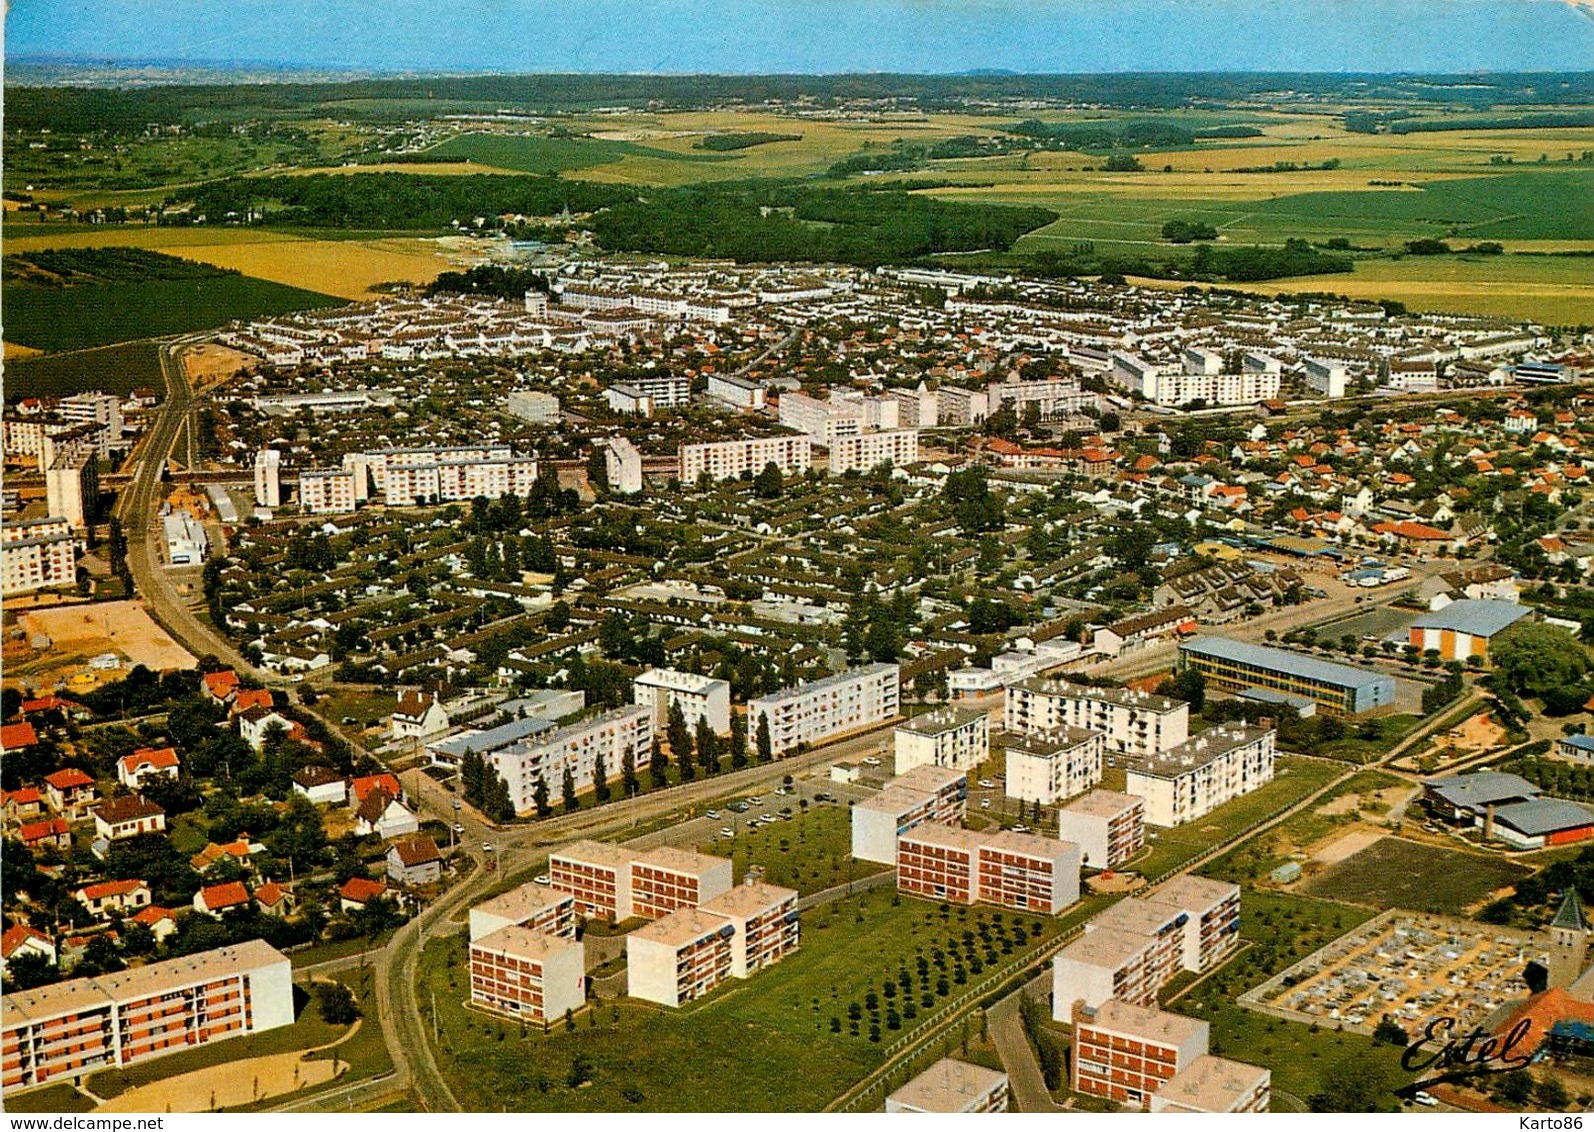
{"x":1570,"y":917}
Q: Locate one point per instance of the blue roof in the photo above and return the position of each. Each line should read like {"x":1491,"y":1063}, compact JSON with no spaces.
{"x":1477,"y":617}
{"x":493,"y":739}
{"x":1305,"y":667}
{"x":1581,"y":742}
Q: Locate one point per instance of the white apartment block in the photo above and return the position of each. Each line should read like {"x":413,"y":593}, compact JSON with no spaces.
{"x":956,"y":407}
{"x":628,"y":399}
{"x":678,"y":958}
{"x":1216,"y":1084}
{"x":700,"y":697}
{"x":823,"y":421}
{"x":1192,"y":779}
{"x":327,"y":491}
{"x":738,"y":392}
{"x":729,"y":459}
{"x":1202,"y":361}
{"x":1254,"y":361}
{"x":619,"y":883}
{"x":38,"y":554}
{"x":525,"y":973}
{"x":1058,"y":397}
{"x":1134,"y":722}
{"x":1022,"y":871}
{"x":577,"y":748}
{"x":879,"y":412}
{"x":268,"y":478}
{"x":371,"y":467}
{"x":1108,"y":827}
{"x":923,"y":794}
{"x":1325,"y":376}
{"x":766,"y":924}
{"x":917,"y":408}
{"x":664,"y":390}
{"x":952,"y":737}
{"x":863,"y":453}
{"x":952,"y":1086}
{"x":532,"y":905}
{"x":826,"y":708}
{"x":622,"y":463}
{"x":72,"y":484}
{"x":410,"y":485}
{"x":1048,"y":766}
{"x":94,"y":408}
{"x":533,"y":406}
{"x":1171,"y":387}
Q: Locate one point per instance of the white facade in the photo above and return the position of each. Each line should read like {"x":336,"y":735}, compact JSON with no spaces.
{"x":578,"y":747}
{"x":1326,"y":377}
{"x":186,"y":544}
{"x":1058,"y":397}
{"x":37,"y":555}
{"x":728,"y":459}
{"x":623,"y":465}
{"x":1173,"y":386}
{"x":746,"y":395}
{"x":823,"y":421}
{"x":1134,"y":722}
{"x":326,"y":491}
{"x":1047,"y":767}
{"x":871,"y":449}
{"x":72,"y":484}
{"x":959,"y":738}
{"x":533,"y":406}
{"x":678,"y":958}
{"x":1189,"y":781}
{"x":1108,"y":827}
{"x":813,"y":713}
{"x":924,"y":794}
{"x":700,"y":697}
{"x":268,"y":478}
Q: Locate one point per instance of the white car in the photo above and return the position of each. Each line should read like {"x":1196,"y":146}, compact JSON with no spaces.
{"x":713,"y":814}
{"x":1021,"y":829}
{"x":987,"y":784}
{"x":543,"y":878}
{"x":727,"y":832}
{"x":871,"y":761}
{"x":1427,"y":1100}
{"x":985,"y":803}
{"x":766,"y":818}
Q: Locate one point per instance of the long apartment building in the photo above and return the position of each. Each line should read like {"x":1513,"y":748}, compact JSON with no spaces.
{"x":1124,"y":1052}
{"x":1021,"y":871}
{"x":823,"y":421}
{"x":951,"y":737}
{"x":38,"y":554}
{"x":546,"y":754}
{"x":898,"y":447}
{"x":729,"y":459}
{"x":327,"y":491}
{"x":922,"y":794}
{"x":411,"y":485}
{"x":834,"y":705}
{"x":611,"y":881}
{"x":1108,"y":827}
{"x":1191,"y":780}
{"x":1131,"y":950}
{"x":67,"y":1029}
{"x":1172,"y":385}
{"x":1134,"y":722}
{"x":1057,"y":397}
{"x":1048,"y":766}
{"x":1238,"y":666}
{"x":1216,"y":1084}
{"x":538,"y":907}
{"x":700,"y":697}
{"x":525,"y":973}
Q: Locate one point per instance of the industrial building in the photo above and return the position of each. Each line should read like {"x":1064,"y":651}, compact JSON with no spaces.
{"x":1236,"y":666}
{"x":1464,"y":629}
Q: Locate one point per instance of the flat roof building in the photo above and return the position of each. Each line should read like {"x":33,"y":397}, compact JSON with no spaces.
{"x":952,"y":1086}
{"x":1125,"y":1052}
{"x":925,"y":793}
{"x":1236,"y":666}
{"x":1216,"y":1084}
{"x":954,"y":737}
{"x":1021,"y":871}
{"x":525,"y":973}
{"x":1199,"y":775}
{"x":535,"y":906}
{"x":768,"y":927}
{"x":1048,"y":766}
{"x":1466,"y":628}
{"x":700,"y":697}
{"x":1134,"y":722}
{"x":812,"y":713}
{"x":680,"y":957}
{"x":1108,"y":827}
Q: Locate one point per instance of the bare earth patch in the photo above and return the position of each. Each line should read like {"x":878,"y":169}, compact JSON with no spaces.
{"x":122,"y":627}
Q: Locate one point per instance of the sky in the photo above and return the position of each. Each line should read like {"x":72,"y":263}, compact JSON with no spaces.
{"x":818,"y":36}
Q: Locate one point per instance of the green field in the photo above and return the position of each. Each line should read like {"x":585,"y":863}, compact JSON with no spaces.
{"x":539,"y":154}
{"x":763,"y":1045}
{"x":811,"y":852}
{"x":116,"y":369}
{"x":72,"y":318}
{"x":1393,"y":873}
{"x":51,"y":1098}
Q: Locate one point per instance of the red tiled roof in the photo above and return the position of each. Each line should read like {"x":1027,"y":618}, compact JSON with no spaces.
{"x":155,"y":759}
{"x":221,"y":684}
{"x":18,"y":934}
{"x":153,"y":915}
{"x":38,"y":830}
{"x":361,"y":889}
{"x":360,"y":787}
{"x":68,"y":778}
{"x":108,"y":888}
{"x":221,"y":896}
{"x":15,"y":736}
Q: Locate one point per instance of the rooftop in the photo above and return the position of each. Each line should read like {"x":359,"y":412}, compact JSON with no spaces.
{"x":525,"y":943}
{"x":1106,"y":947}
{"x":1124,"y":697}
{"x":1197,"y":751}
{"x":521,"y":904}
{"x":1212,"y":1084}
{"x":1103,"y":803}
{"x":1147,"y":1022}
{"x":948,"y":1086}
{"x":593,"y":853}
{"x":1482,"y":787}
{"x":678,"y":681}
{"x":1539,"y":816}
{"x":1476,"y":617}
{"x":1046,"y":744}
{"x":750,"y":899}
{"x":941,"y":720}
{"x":1281,"y":660}
{"x":683,"y":927}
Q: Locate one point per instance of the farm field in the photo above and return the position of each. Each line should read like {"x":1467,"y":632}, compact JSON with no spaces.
{"x":1403,"y":874}
{"x":343,"y":267}
{"x":738,"y":1050}
{"x":116,"y":369}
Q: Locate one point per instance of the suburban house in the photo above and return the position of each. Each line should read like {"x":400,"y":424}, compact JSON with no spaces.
{"x":219,"y":898}
{"x":357,"y":892}
{"x":321,"y":785}
{"x":49,"y":833}
{"x":414,"y":860}
{"x":23,"y":940}
{"x":274,"y":900}
{"x":257,"y":721}
{"x":128,"y":816}
{"x":133,"y":770}
{"x":70,"y":792}
{"x":117,"y":895}
{"x":418,"y":716}
{"x":384,"y":815}
{"x":161,"y":922}
{"x":21,"y":805}
{"x":221,"y":686}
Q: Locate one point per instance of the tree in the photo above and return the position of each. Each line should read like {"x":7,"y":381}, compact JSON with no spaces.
{"x":539,"y":797}
{"x":1189,"y":685}
{"x":337,"y":1004}
{"x":1389,"y":1032}
{"x":738,"y":742}
{"x":572,"y":803}
{"x":29,"y":969}
{"x":769,"y":483}
{"x":629,"y":785}
{"x":708,"y":746}
{"x":764,"y":742}
{"x":1361,"y":1082}
{"x":1535,"y":659}
{"x":600,"y":780}
{"x":658,"y":765}
{"x":678,"y":733}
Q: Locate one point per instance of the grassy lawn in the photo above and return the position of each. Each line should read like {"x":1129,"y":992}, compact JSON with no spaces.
{"x":307,"y":1031}
{"x":1281,"y":929}
{"x":51,"y":1098}
{"x":1295,"y":779}
{"x":365,"y":707}
{"x":1355,"y":748}
{"x":740,"y":1049}
{"x":338,"y":949}
{"x":1425,"y":878}
{"x":811,"y":852}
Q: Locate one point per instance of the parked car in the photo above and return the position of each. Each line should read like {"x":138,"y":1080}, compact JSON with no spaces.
{"x":987,"y":784}
{"x":1021,"y":829}
{"x":727,"y":832}
{"x":543,"y":878}
{"x":985,"y":803}
{"x":870,"y":761}
{"x":711,"y":813}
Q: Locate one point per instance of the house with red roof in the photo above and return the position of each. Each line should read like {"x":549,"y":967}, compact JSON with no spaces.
{"x":248,"y":698}
{"x":256,"y":722}
{"x":18,"y":736}
{"x":357,"y":892}
{"x":384,"y":815}
{"x":274,"y":900}
{"x":133,"y":770}
{"x":22,"y":804}
{"x":359,"y":788}
{"x":219,"y":898}
{"x":239,"y":850}
{"x":128,"y":816}
{"x":161,"y":922}
{"x":44,"y":705}
{"x":118,"y":895}
{"x":23,"y":940}
{"x":50,"y":833}
{"x":70,"y":792}
{"x":221,"y":686}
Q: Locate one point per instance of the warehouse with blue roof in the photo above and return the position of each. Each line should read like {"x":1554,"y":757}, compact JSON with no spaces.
{"x":1237,"y":666}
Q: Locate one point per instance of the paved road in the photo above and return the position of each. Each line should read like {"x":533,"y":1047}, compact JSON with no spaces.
{"x":1028,"y":1085}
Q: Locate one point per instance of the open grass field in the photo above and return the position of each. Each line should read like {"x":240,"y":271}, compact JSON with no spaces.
{"x":344,"y":267}
{"x":1393,"y":873}
{"x":116,"y":369}
{"x":810,"y":853}
{"x":51,"y":1098}
{"x":542,"y":154}
{"x":75,"y":318}
{"x":1294,"y":780}
{"x":762,"y":1045}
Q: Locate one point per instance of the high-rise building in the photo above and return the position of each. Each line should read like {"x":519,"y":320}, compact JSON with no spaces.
{"x":268,"y":478}
{"x":834,"y":705}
